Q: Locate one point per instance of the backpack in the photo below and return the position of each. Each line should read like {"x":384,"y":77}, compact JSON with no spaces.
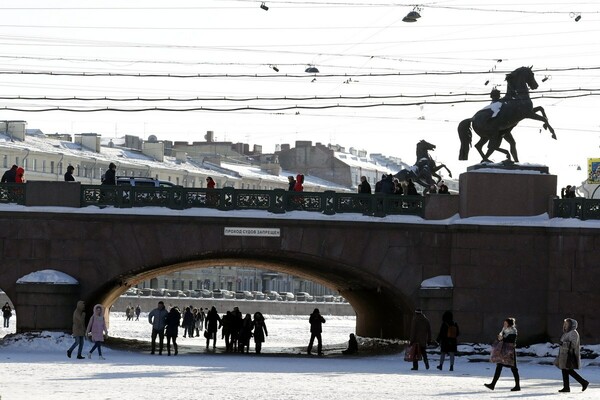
{"x":452,"y":332}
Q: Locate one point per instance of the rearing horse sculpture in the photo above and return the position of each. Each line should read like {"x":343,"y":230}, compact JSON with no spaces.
{"x":424,"y":169}
{"x":496,"y":123}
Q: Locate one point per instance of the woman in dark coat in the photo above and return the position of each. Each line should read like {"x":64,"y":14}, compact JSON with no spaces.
{"x":172,"y":329}
{"x":352,"y":346}
{"x":508,"y":335}
{"x":569,"y":357}
{"x":245,"y":334}
{"x":447,"y":339}
{"x":260,"y":331}
{"x":212,"y":324}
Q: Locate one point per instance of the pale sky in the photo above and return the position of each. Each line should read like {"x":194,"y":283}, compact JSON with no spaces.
{"x":214,"y":38}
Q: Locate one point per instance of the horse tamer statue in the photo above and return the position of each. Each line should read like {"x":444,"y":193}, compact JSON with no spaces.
{"x":424,"y":169}
{"x":496,"y":121}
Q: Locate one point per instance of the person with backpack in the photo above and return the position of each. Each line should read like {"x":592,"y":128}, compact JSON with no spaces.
{"x":447,"y":339}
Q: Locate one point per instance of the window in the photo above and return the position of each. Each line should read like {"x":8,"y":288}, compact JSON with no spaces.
{"x":44,"y":166}
{"x":60,"y":168}
{"x":5,"y":161}
{"x":34,"y":164}
{"x":177,"y":180}
{"x":25,"y":163}
{"x":16,"y":160}
{"x":51,"y":167}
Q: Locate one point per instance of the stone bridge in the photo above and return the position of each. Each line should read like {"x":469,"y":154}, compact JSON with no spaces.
{"x":537,"y":274}
{"x":538,"y":270}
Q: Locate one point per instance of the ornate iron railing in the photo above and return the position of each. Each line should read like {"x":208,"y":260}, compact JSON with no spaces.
{"x":13,"y":193}
{"x":275,"y":201}
{"x":577,"y":208}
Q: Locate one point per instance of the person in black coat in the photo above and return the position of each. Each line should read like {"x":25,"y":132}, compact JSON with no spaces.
{"x":69,"y":174}
{"x":447,"y":339}
{"x":188,"y":323}
{"x":352,"y":346}
{"x":245,"y":334}
{"x":172,"y":329}
{"x":364,"y":186}
{"x":387,"y":184}
{"x":291,"y":183}
{"x":316,"y":321}
{"x":212,"y":323}
{"x":110,"y":176}
{"x":10,"y":176}
{"x":411,"y":189}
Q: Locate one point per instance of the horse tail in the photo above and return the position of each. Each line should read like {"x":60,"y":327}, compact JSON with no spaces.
{"x":465,"y":134}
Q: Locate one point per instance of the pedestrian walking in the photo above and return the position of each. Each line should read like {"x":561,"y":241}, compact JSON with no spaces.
{"x":188,"y":323}
{"x":69,"y":174}
{"x":447,"y":338}
{"x":569,"y":356}
{"x":78,"y":331}
{"x":158,"y":319}
{"x":316,"y":321}
{"x":172,"y":329}
{"x":138,"y":311}
{"x":245,"y":334}
{"x":420,"y":334}
{"x":110,"y":176}
{"x":212,"y":323}
{"x":260,"y":331}
{"x":505,"y":355}
{"x":97,"y":330}
{"x":6,"y":314}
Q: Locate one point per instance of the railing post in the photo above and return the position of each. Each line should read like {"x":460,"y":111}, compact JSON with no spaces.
{"x":328,"y":199}
{"x":278,"y":201}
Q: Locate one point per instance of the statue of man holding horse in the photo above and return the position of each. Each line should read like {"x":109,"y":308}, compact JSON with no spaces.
{"x":496,"y":121}
{"x":424,"y":169}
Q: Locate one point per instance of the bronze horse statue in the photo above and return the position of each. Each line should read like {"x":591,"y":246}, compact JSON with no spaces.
{"x":496,"y":121}
{"x":424,"y":169}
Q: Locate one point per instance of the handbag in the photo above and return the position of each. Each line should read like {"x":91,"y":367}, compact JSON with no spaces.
{"x":503,"y":353}
{"x":206,"y":334}
{"x":413,"y":353}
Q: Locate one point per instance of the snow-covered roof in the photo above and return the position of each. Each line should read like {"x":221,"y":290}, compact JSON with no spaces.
{"x":48,"y":276}
{"x":361,"y":162}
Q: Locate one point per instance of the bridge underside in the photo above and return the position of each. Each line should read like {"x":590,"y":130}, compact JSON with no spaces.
{"x":378,"y":312}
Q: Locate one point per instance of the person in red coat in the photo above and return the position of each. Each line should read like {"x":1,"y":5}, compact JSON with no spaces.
{"x":210,"y":183}
{"x":19,"y":177}
{"x":299,"y":181}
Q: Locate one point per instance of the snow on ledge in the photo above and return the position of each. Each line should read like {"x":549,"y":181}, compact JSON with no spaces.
{"x":507,"y":171}
{"x":440,"y":281}
{"x":48,"y":276}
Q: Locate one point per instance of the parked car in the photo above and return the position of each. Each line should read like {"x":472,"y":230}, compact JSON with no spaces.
{"x":145,"y":292}
{"x":204,"y":293}
{"x":258,"y":295}
{"x":244,"y":294}
{"x":131,"y":292}
{"x":218,"y":294}
{"x":287,"y":296}
{"x":304,"y":296}
{"x":273,"y":295}
{"x":328,"y":298}
{"x":175,"y":293}
{"x":228,"y":294}
{"x":142,"y":181}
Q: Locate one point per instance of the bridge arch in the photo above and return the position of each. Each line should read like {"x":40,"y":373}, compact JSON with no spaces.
{"x":380,"y":311}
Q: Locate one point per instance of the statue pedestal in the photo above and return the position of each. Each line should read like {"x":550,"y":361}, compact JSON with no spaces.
{"x":496,"y":191}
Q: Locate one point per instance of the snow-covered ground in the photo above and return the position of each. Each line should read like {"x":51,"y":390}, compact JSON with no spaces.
{"x":39,"y":369}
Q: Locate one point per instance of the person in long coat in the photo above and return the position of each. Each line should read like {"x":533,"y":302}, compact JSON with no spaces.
{"x":78,"y":329}
{"x":158,"y":318}
{"x":508,"y":334}
{"x":212,"y":323}
{"x":447,"y":338}
{"x":188,"y":323}
{"x":110,"y":176}
{"x":97,"y":329}
{"x":245,"y":334}
{"x":316,"y":321}
{"x":299,"y":185}
{"x":569,"y":357}
{"x":260,"y":331}
{"x":172,"y":329}
{"x":6,"y":314}
{"x":420,"y":334}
